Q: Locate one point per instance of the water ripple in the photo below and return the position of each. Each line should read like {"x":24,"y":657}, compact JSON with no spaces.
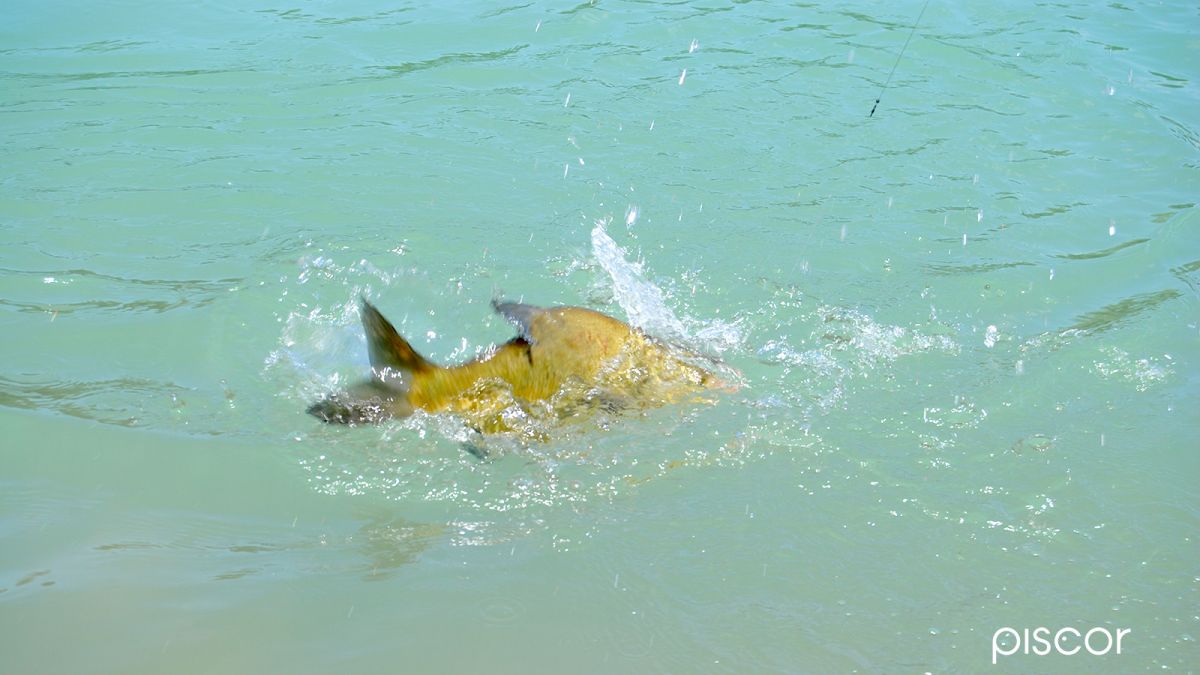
{"x":75,"y":282}
{"x":1117,"y":313}
{"x":1102,"y":253}
{"x":450,"y":59}
{"x":979,"y":268}
{"x":119,"y":401}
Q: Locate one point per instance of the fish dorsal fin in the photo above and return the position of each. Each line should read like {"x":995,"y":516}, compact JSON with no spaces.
{"x":392,"y":358}
{"x":521,"y":316}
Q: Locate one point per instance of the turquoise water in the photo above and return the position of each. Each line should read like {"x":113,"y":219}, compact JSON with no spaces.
{"x":966,"y":329}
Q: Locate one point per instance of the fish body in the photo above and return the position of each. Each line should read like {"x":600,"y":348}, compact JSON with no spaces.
{"x":564,"y":361}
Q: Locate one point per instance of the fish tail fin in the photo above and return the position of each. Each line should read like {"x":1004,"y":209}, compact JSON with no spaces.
{"x":392,"y":358}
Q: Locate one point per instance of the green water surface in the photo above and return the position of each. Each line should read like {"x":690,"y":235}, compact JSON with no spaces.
{"x":966,"y":330}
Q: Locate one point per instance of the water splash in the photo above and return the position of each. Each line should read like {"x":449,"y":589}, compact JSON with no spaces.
{"x":1143,"y":373}
{"x":811,"y":358}
{"x":645,"y":304}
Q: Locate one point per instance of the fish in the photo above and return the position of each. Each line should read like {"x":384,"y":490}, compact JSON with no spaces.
{"x":565,"y":362}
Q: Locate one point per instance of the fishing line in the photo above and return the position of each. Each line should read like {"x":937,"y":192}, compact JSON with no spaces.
{"x":898,"y":57}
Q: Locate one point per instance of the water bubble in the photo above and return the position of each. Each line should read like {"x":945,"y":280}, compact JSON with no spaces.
{"x":692,"y":47}
{"x":631,"y":215}
{"x":990,"y":337}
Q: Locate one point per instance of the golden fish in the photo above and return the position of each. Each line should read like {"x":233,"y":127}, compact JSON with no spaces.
{"x":564,"y":360}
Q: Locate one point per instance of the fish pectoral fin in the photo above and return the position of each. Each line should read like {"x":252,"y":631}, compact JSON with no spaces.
{"x":366,"y":403}
{"x":342,"y":410}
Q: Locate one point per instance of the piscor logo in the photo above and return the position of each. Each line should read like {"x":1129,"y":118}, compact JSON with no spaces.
{"x":1067,"y":641}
